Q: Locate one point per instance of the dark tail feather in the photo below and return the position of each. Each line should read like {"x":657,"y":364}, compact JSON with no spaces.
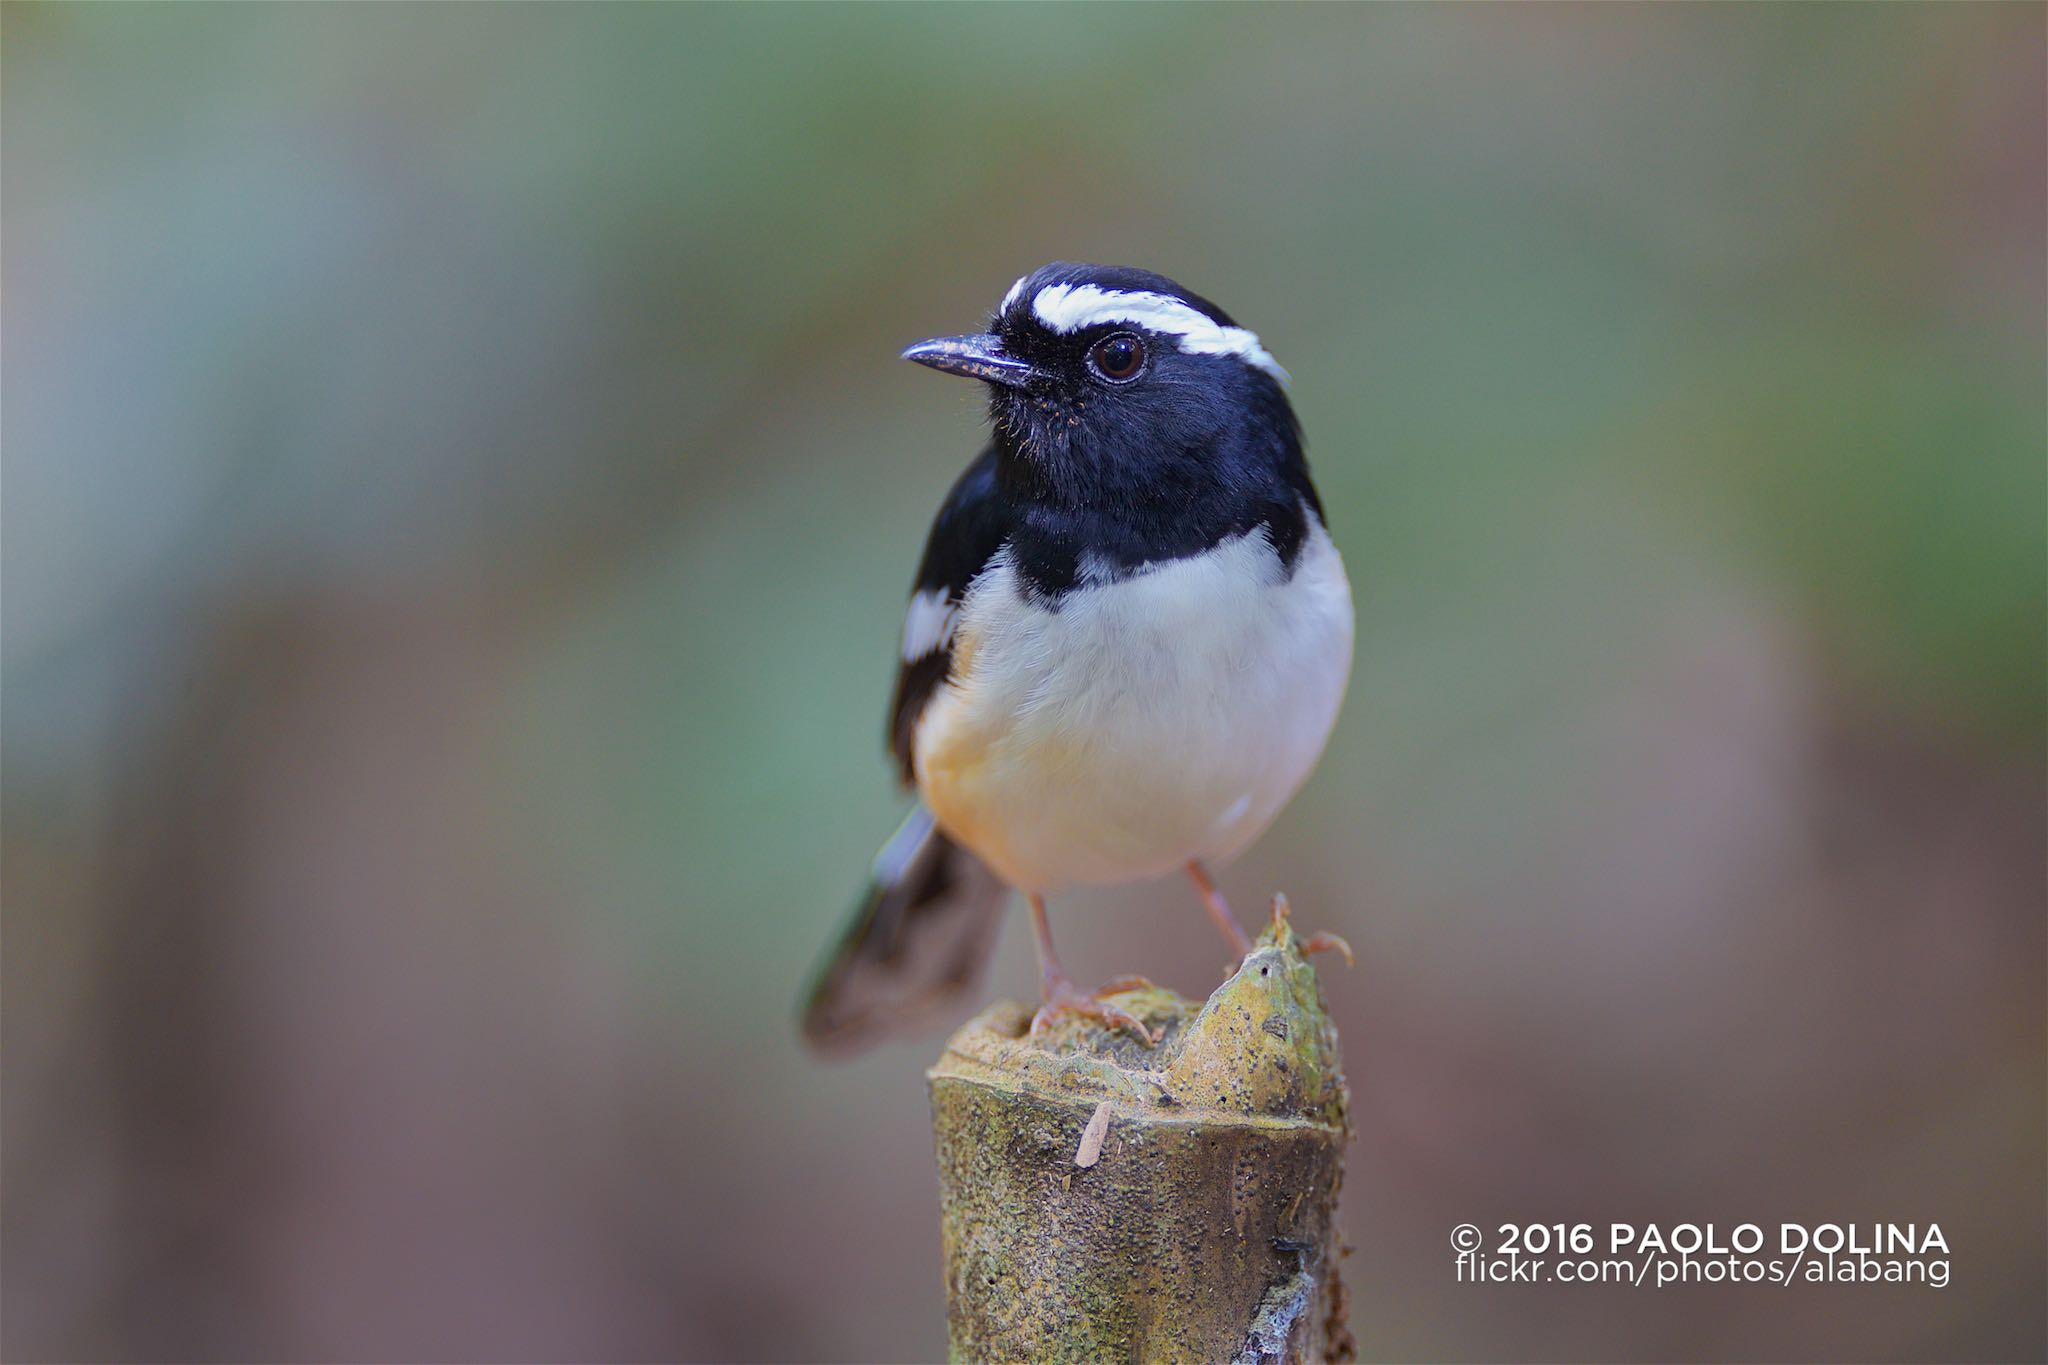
{"x":923,"y":932}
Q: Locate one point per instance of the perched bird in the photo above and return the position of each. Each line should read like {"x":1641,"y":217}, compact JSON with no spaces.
{"x":1125,"y":648}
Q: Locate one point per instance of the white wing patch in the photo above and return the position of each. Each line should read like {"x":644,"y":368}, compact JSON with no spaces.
{"x":929,"y":624}
{"x":894,"y":859}
{"x":1070,"y":307}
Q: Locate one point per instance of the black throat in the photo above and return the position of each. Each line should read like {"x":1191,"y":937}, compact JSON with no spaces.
{"x":1114,"y":518}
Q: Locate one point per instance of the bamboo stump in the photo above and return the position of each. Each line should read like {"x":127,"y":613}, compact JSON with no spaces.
{"x":1107,"y":1201}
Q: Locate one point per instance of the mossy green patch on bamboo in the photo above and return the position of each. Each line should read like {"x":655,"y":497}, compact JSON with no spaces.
{"x":1211,"y":1197}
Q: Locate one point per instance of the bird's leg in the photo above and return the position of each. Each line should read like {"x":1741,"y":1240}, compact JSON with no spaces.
{"x":1219,"y":910}
{"x":1059,"y":993}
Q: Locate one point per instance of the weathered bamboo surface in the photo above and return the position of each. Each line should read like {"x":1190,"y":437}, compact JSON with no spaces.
{"x":1103,"y":1200}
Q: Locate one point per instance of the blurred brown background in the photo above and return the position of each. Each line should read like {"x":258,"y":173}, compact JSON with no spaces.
{"x":459,"y":496}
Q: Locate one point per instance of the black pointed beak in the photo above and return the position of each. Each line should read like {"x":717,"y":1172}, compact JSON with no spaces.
{"x":978,"y":357}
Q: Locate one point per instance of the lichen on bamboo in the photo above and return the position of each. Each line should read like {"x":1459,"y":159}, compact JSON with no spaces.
{"x":1203,"y":1226}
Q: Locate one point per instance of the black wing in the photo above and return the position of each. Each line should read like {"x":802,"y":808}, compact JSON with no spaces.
{"x":971,"y":526}
{"x":918,"y":940}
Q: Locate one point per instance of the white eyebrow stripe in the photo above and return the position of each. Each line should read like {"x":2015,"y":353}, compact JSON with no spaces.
{"x":929,"y":624}
{"x":1016,"y":292}
{"x":1070,"y":307}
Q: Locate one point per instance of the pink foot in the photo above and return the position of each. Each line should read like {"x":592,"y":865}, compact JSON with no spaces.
{"x":1063,"y":998}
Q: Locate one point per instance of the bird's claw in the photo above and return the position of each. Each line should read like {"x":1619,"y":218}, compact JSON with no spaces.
{"x":1328,"y":943}
{"x":1067,"y":999}
{"x":1314,"y":943}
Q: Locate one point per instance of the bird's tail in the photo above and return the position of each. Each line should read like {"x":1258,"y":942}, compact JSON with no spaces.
{"x":922,"y":933}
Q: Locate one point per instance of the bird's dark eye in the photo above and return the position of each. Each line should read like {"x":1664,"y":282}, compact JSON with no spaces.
{"x":1117,"y":358}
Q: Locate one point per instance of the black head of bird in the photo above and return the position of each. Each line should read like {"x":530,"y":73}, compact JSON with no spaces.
{"x":1134,"y":405}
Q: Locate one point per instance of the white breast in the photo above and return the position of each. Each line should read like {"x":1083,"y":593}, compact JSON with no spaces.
{"x":1160,"y":718}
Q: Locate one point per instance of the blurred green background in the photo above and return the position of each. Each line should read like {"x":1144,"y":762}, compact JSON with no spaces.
{"x":459,"y":499}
